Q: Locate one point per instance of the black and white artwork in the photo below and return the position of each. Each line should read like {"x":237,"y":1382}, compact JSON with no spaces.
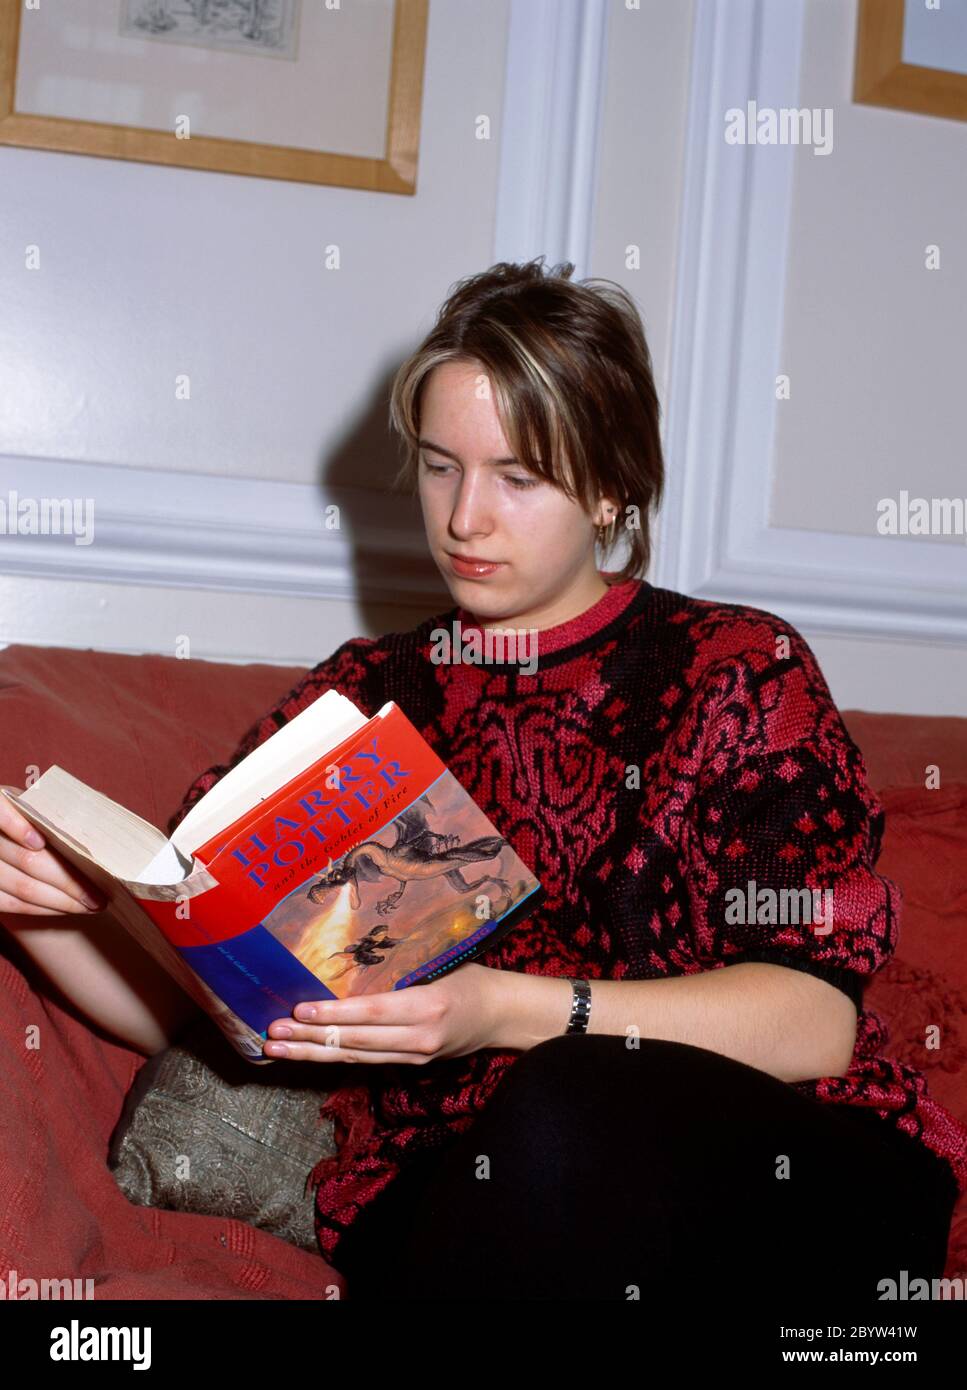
{"x":267,"y":28}
{"x":935,"y":35}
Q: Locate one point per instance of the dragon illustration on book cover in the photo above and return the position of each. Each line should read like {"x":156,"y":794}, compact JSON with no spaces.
{"x":417,"y":853}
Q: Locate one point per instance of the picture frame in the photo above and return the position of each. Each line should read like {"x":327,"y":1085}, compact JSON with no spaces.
{"x":218,"y":50}
{"x":883,"y":77}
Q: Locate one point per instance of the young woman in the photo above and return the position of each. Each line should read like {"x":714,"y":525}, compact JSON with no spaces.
{"x":666,"y":1073}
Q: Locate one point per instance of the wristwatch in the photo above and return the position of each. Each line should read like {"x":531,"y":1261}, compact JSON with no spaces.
{"x":580,"y":1006}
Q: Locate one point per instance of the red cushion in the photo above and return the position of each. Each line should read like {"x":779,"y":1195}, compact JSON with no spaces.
{"x":925,"y":984}
{"x":62,"y":1215}
{"x":140,"y":728}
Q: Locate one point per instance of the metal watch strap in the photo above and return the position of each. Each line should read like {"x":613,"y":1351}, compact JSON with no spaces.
{"x":580,"y":1006}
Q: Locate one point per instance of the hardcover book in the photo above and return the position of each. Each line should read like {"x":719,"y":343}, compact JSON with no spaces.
{"x":341,"y":857}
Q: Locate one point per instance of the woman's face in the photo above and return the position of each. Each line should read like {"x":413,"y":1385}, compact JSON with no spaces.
{"x":477,"y":502}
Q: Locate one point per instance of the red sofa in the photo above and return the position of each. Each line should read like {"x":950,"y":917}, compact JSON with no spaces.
{"x":140,"y":728}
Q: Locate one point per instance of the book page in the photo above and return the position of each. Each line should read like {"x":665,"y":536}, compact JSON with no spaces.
{"x":106,"y":833}
{"x":295,"y":746}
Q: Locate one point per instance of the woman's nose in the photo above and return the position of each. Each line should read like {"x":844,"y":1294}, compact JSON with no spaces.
{"x":471,"y":508}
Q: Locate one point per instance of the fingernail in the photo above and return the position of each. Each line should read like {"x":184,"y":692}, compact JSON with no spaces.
{"x":93,"y":903}
{"x":277,"y":1049}
{"x":33,"y":839}
{"x":282,"y":1031}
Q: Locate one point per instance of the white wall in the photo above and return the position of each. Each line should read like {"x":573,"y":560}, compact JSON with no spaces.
{"x":641,"y":160}
{"x":813,"y":266}
{"x":148,"y":272}
{"x":873,"y":340}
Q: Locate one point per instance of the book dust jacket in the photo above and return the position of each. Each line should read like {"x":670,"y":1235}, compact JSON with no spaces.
{"x":372,"y":870}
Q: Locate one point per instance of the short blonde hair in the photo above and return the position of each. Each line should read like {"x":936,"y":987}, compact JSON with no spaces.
{"x":572,"y":379}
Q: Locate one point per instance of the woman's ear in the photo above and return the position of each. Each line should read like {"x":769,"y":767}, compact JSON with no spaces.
{"x":607,"y":512}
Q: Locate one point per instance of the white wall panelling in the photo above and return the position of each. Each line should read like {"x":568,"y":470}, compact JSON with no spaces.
{"x":553,"y":93}
{"x":715,"y":538}
{"x":201,"y":531}
{"x":161,"y":527}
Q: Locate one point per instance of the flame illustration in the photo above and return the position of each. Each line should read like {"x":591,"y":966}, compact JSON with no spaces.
{"x":325,"y":932}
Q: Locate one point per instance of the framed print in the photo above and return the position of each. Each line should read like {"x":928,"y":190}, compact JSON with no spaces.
{"x":912,"y":55}
{"x":318,"y":91}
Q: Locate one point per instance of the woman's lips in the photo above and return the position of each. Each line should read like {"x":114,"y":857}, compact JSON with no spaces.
{"x":474,"y":569}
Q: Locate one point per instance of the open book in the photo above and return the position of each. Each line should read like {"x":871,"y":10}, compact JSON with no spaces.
{"x":340,"y":857}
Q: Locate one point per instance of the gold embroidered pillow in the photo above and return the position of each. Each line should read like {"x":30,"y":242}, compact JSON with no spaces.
{"x":204,"y":1131}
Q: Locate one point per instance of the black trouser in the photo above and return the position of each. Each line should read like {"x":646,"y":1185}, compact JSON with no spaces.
{"x":617,"y":1172}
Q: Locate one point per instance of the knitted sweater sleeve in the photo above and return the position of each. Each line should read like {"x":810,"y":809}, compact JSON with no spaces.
{"x":348,"y":670}
{"x":784,"y":831}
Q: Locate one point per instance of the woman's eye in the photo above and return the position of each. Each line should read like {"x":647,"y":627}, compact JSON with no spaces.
{"x":517,"y":482}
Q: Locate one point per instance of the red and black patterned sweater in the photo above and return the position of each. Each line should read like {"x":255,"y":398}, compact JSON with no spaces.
{"x":746,"y":773}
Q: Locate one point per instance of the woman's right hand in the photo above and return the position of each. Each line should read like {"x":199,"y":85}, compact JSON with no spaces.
{"x":37,"y":880}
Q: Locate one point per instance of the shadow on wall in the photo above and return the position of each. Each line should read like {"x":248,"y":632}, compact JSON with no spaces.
{"x":384,"y":528}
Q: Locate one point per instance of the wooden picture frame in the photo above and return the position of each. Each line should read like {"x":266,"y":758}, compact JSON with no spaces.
{"x":882,"y":78}
{"x":393,"y":172}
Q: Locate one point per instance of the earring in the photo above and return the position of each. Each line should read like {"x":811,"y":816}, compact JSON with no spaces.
{"x":610,"y":529}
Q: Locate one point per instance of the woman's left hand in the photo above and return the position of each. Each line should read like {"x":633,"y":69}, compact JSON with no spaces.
{"x":449,"y":1017}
